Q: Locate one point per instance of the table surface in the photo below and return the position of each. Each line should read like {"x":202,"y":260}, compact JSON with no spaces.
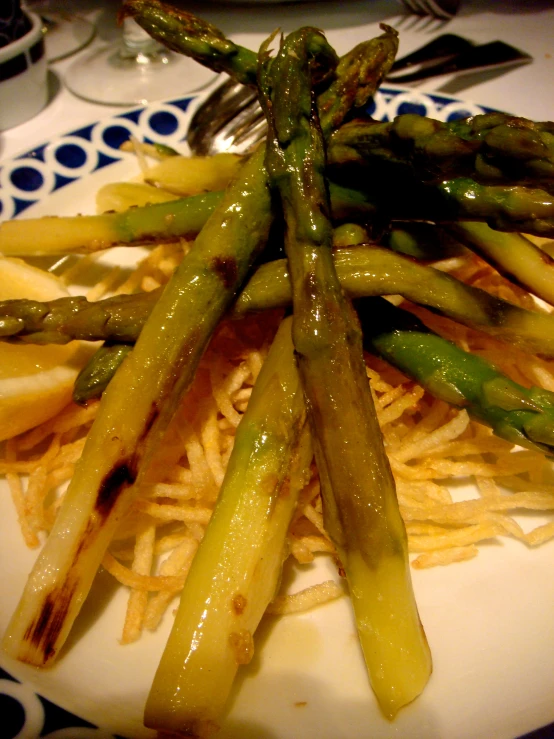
{"x":526,"y":90}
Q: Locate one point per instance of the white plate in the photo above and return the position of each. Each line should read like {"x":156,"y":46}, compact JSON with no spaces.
{"x":488,"y":621}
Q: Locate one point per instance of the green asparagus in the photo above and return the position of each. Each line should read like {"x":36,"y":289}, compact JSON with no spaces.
{"x":236,"y":571}
{"x":523,"y":416}
{"x":362,"y":270}
{"x":521,"y":209}
{"x":401,"y":196}
{"x":373,"y":270}
{"x":494,"y":148}
{"x":148,"y":224}
{"x":115,"y":319}
{"x":504,"y":208}
{"x":361,"y":509}
{"x":186,"y":34}
{"x":97,"y":373}
{"x":359,"y":73}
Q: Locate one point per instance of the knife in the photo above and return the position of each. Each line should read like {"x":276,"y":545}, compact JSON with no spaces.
{"x":441,"y":48}
{"x":494,"y":54}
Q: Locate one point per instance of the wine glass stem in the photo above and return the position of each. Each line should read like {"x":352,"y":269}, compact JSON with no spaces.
{"x":137,"y":44}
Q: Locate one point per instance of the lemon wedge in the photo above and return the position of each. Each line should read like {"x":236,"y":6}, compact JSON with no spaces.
{"x":36,"y":382}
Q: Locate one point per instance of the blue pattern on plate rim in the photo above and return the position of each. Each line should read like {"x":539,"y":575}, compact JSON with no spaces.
{"x":27,"y":714}
{"x":47,"y":168}
{"x":41,"y":171}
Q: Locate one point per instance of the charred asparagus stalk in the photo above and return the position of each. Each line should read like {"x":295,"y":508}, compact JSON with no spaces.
{"x":116,"y":319}
{"x":402,"y":196}
{"x":133,"y":415}
{"x":373,"y":270}
{"x":362,"y":270}
{"x":494,"y":148}
{"x":236,"y":572}
{"x":361,"y":508}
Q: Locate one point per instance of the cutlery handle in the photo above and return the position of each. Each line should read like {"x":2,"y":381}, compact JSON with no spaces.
{"x":445,"y":46}
{"x":485,"y":56}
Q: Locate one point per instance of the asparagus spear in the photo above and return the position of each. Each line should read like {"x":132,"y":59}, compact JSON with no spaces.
{"x":148,"y":224}
{"x":400,"y":195}
{"x":523,"y":416}
{"x":362,"y":270}
{"x":512,"y":254}
{"x":519,"y":209}
{"x":236,"y":572}
{"x":186,"y":34}
{"x":359,"y":73}
{"x":83,"y":234}
{"x":494,"y":148}
{"x":116,"y":319}
{"x":361,"y":507}
{"x":504,"y":208}
{"x":97,"y":373}
{"x":373,"y":270}
{"x":133,"y":415}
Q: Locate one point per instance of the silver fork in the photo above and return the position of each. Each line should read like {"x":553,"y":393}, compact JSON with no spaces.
{"x":443,"y":9}
{"x":230,"y":120}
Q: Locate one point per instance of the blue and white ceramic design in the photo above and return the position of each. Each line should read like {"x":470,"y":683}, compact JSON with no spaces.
{"x":40,"y":172}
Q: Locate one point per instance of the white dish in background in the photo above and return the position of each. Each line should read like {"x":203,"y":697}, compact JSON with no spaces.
{"x":66,"y":34}
{"x":488,"y":621}
{"x":23,"y":81}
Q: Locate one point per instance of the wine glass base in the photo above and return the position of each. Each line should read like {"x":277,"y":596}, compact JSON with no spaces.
{"x":65,"y":35}
{"x":107,"y":76}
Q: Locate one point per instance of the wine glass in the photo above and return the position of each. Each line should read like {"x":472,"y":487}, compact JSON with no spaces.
{"x":137,"y":70}
{"x":65,"y":31}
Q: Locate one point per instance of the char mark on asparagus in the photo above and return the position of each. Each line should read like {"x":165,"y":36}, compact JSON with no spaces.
{"x":43,"y":632}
